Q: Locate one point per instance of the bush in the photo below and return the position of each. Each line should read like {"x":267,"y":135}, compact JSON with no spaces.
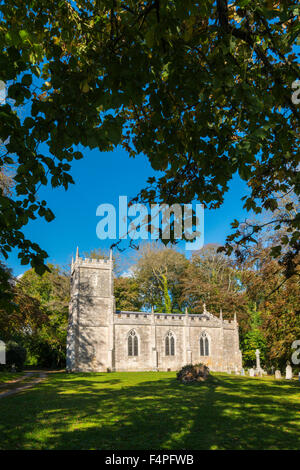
{"x":44,"y":353}
{"x":193,"y":373}
{"x":15,"y":354}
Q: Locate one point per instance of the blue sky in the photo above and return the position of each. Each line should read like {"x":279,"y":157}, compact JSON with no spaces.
{"x":102,"y":178}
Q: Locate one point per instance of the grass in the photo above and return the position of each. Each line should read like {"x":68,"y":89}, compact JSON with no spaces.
{"x":151,"y":410}
{"x":8,"y":377}
{"x":12,"y":384}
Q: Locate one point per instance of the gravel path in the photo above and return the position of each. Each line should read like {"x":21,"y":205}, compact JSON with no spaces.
{"x":42,"y":376}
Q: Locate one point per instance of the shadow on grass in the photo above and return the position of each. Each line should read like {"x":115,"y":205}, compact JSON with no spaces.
{"x":152,"y":411}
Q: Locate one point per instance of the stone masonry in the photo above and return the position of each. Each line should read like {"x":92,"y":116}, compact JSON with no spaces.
{"x":98,"y":335}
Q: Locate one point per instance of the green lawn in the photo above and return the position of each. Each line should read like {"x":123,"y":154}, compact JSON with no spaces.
{"x":8,"y":377}
{"x":151,"y":410}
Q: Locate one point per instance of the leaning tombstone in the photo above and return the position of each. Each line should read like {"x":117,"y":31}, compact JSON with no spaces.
{"x":277,"y":374}
{"x":251,"y":372}
{"x":288,"y":372}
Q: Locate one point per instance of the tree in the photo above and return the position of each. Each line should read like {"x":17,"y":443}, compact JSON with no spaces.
{"x":6,"y":182}
{"x":127,"y":294}
{"x":203,"y":89}
{"x":276,"y":297}
{"x":15,"y":355}
{"x":274,"y":228}
{"x":213,"y":279}
{"x":6,"y":289}
{"x":220,"y":102}
{"x":158,"y":272}
{"x":23,"y":317}
{"x":281,"y":324}
{"x":52,"y":289}
{"x":47,"y":342}
{"x":253,"y":339}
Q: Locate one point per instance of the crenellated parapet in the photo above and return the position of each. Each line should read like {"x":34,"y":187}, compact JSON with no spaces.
{"x":92,"y":262}
{"x":191,"y":319}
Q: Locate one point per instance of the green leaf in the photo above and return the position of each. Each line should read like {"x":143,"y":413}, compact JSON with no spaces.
{"x":27,"y":79}
{"x":23,"y":35}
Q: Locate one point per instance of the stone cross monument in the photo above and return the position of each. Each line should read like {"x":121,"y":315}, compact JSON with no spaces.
{"x":258,"y":366}
{"x":257,"y":354}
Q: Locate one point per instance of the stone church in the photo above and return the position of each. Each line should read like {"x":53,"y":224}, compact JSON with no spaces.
{"x":101,"y":338}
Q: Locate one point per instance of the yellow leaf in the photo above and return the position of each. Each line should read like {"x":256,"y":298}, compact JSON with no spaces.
{"x":85,"y":87}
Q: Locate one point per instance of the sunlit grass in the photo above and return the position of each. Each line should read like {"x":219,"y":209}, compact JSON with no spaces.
{"x":151,"y":410}
{"x":8,"y":377}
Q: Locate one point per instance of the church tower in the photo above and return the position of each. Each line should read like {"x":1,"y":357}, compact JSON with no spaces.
{"x":90,"y":330}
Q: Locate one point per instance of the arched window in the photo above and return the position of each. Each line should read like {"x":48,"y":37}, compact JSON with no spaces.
{"x":133,"y":344}
{"x":170,"y":344}
{"x":204,"y":345}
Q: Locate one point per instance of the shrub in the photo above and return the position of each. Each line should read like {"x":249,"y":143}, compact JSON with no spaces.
{"x":15,"y":354}
{"x":193,"y":373}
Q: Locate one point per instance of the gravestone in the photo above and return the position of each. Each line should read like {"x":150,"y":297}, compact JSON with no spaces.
{"x":251,"y":372}
{"x":242,"y":371}
{"x":288,"y":372}
{"x":277,"y":374}
{"x":258,"y":370}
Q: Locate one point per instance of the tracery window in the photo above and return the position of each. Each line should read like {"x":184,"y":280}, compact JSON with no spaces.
{"x":133,"y":344}
{"x":170,"y":344}
{"x":204,"y":345}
